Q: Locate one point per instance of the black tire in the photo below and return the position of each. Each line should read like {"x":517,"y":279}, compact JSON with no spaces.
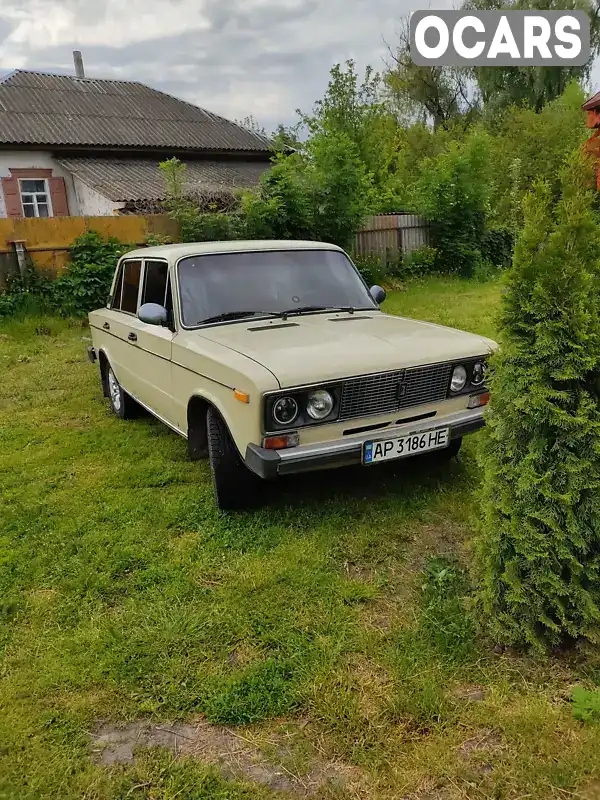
{"x":122,"y":404}
{"x":198,"y":439}
{"x":235,"y":487}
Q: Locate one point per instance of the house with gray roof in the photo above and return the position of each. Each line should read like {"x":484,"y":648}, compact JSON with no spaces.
{"x":71,"y":145}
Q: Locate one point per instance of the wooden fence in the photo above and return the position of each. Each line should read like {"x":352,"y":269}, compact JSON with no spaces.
{"x":390,"y":236}
{"x":46,"y":242}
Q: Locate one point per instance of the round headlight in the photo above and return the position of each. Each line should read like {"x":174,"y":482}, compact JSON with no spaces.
{"x":459,"y":378}
{"x":478,"y":376}
{"x":320,"y":404}
{"x":285,"y":410}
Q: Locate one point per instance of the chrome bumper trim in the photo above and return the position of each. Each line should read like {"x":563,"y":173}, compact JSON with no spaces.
{"x":346,"y":451}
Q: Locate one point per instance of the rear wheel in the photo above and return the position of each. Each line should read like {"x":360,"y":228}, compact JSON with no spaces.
{"x":121,"y":403}
{"x":235,"y":487}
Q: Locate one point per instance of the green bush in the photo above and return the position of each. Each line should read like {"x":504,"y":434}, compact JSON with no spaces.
{"x":157,"y":240}
{"x":207,"y":227}
{"x":320,"y":195}
{"x":371,"y":268}
{"x":28,"y":293}
{"x":421,"y":261}
{"x":281,"y":206}
{"x":85,"y":282}
{"x":538,"y":552}
{"x":342,"y":189}
{"x":497,"y":247}
{"x":452,"y":194}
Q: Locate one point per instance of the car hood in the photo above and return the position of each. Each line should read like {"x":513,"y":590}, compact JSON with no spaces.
{"x":316,"y":348}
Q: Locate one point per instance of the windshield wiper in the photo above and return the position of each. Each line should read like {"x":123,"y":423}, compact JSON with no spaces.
{"x":308,"y":309}
{"x":233,"y":315}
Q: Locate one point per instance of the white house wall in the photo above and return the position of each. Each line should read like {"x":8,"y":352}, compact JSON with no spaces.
{"x":33,"y":159}
{"x":91,"y":203}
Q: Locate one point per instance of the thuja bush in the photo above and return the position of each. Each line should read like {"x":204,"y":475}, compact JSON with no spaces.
{"x":538,"y":553}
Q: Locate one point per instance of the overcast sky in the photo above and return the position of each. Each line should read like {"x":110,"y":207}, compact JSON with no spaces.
{"x":234,"y":57}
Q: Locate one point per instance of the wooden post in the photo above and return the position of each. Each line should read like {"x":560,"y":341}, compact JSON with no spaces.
{"x":21,"y":254}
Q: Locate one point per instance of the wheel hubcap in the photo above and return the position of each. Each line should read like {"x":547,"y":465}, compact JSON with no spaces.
{"x":114,"y":389}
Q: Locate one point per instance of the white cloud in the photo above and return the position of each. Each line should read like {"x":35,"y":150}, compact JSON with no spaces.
{"x":235,"y":57}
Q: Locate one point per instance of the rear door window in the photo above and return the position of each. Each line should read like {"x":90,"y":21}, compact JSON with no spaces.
{"x":116,"y":297}
{"x":131,"y":286}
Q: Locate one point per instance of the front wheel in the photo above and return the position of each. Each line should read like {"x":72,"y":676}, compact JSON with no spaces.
{"x":235,"y":487}
{"x":121,"y":403}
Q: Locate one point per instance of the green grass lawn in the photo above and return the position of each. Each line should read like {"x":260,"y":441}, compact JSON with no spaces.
{"x":319,"y":647}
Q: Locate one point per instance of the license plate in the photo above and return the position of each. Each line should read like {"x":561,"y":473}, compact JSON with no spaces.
{"x":403,"y":446}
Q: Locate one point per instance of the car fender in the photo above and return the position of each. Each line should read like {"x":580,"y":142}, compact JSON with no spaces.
{"x":243,"y":420}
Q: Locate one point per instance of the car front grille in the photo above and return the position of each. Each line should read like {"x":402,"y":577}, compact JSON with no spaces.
{"x":393,"y":391}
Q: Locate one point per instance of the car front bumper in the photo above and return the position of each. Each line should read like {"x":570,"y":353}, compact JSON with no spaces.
{"x":269,"y":464}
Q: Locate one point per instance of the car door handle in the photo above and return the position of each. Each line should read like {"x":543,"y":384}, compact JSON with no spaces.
{"x":106,"y":326}
{"x":132,"y":337}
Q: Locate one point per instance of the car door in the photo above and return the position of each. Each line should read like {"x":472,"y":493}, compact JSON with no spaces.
{"x":117,"y":326}
{"x":151,"y":344}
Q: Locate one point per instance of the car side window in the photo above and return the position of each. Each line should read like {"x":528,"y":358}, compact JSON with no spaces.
{"x":116,"y":297}
{"x":131,"y":284}
{"x":155,"y":283}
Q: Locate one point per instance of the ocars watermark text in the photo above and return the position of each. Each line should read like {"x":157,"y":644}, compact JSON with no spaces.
{"x":500,"y":38}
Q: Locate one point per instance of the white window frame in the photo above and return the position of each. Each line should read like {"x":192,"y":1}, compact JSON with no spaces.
{"x":36,"y":195}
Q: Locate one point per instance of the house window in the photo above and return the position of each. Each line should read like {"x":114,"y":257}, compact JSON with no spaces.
{"x":35,"y":198}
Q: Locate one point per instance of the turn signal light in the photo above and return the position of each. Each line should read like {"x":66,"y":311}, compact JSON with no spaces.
{"x":281,"y":442}
{"x":241,"y":396}
{"x":478,"y":400}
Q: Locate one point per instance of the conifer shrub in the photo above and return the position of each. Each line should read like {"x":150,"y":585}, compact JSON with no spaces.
{"x":538,"y":551}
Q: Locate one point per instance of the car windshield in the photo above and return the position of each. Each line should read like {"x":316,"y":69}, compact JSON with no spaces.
{"x":237,"y":285}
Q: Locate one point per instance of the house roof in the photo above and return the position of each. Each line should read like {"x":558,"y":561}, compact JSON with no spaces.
{"x":130,"y":179}
{"x":38,"y":108}
{"x":593,"y":102}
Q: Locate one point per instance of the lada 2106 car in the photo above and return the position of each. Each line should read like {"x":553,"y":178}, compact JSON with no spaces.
{"x":273,"y":358}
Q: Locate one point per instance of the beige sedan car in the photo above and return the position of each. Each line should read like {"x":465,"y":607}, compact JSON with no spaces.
{"x":274,"y":358}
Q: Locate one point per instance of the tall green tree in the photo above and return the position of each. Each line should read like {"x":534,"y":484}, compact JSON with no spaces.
{"x":321,"y":194}
{"x":442,"y":96}
{"x":355,"y":108}
{"x":539,"y":549}
{"x":528,"y":145}
{"x":534,"y":86}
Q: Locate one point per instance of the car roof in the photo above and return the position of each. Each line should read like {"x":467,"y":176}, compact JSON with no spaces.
{"x":173,"y":252}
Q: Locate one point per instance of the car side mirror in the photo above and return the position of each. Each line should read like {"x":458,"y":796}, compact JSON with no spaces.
{"x":378,"y":294}
{"x":153,"y":314}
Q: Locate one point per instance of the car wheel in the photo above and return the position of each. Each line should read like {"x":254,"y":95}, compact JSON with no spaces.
{"x":121,"y":403}
{"x":235,"y":487}
{"x":452,"y":450}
